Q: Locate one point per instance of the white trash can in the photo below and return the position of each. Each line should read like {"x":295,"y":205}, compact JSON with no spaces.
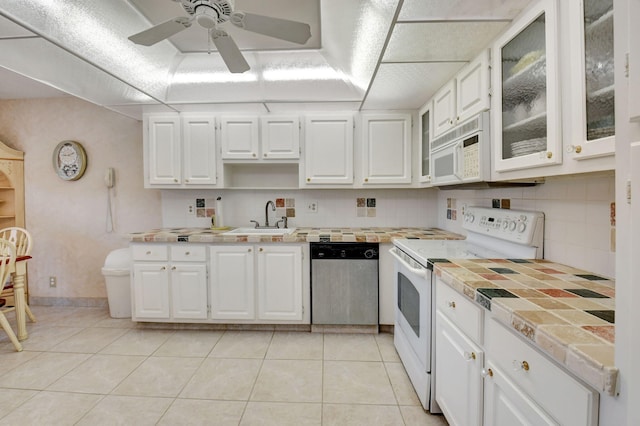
{"x":117,"y":276}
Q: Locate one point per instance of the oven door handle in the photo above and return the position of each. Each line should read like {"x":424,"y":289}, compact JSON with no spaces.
{"x":419,"y":272}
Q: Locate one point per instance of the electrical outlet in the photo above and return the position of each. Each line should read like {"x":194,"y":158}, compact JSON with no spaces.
{"x":53,"y":282}
{"x":312,"y":207}
{"x":191,"y":210}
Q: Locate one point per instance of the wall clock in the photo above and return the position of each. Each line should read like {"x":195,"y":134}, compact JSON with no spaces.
{"x":69,"y":160}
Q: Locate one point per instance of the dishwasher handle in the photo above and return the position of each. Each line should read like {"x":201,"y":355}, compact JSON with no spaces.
{"x":419,"y":272}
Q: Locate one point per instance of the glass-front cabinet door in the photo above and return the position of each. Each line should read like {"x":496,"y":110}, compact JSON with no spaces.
{"x":425,"y":143}
{"x":595,"y":115}
{"x":526,"y":98}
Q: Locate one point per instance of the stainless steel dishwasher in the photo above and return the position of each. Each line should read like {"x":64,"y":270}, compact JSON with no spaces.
{"x":344,"y":283}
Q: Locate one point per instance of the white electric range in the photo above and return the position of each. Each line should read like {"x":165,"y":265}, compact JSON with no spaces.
{"x":492,"y":234}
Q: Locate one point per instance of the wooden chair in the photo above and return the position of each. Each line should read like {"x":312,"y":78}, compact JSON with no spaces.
{"x":21,"y":238}
{"x":7,"y":259}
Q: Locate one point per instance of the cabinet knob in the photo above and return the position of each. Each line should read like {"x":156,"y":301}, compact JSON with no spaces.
{"x":261,"y":249}
{"x":187,"y":253}
{"x":574,"y":148}
{"x":487,"y":373}
{"x":175,"y":180}
{"x":470,"y":356}
{"x":173,"y":268}
{"x":308,"y":179}
{"x":452,"y":305}
{"x":366,"y":179}
{"x":149,"y":252}
{"x":186,"y":180}
{"x":265,"y":155}
{"x":549,"y":154}
{"x":457,"y":118}
{"x":249,"y":250}
{"x":517,"y":365}
{"x":164,"y":268}
{"x":253,"y":155}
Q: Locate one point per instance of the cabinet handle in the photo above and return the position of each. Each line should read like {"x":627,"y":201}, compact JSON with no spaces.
{"x":488,"y":372}
{"x":470,"y":356}
{"x":524,"y":365}
{"x":452,"y":305}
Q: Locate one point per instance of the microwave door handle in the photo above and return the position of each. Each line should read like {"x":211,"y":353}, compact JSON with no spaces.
{"x":457,"y":158}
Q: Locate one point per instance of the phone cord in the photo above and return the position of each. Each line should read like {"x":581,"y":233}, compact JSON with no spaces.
{"x":110,"y":226}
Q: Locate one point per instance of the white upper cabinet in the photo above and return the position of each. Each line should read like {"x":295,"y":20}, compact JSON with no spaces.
{"x":280,"y":137}
{"x":591,"y":58}
{"x":163,"y":150}
{"x":386,"y":148}
{"x":260,"y":138}
{"x":425,"y":125}
{"x":180,"y":151}
{"x":464,"y":96}
{"x":239,"y":138}
{"x":328,"y":150}
{"x":199,"y":149}
{"x":526,"y":111}
{"x":634,"y":60}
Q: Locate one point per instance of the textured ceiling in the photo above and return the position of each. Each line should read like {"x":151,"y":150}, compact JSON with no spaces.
{"x":363,"y":54}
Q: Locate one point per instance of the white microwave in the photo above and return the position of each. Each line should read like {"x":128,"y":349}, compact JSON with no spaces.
{"x":462,"y":155}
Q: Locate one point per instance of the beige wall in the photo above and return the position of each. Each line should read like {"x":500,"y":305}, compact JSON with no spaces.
{"x":68,"y":219}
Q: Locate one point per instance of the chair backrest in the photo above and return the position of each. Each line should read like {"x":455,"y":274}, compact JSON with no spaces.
{"x":7,"y":259}
{"x":20,"y":237}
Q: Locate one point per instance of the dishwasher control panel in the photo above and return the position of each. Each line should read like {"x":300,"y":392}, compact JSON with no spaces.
{"x":345,"y":251}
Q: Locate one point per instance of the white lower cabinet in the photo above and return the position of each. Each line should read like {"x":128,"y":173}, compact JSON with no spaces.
{"x":262,"y":282}
{"x":491,"y":376}
{"x":169,"y":282}
{"x":506,"y":405}
{"x":459,"y":364}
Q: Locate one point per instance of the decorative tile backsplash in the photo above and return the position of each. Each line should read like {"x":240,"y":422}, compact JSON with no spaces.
{"x":452,"y":211}
{"x":365,"y":207}
{"x":206,"y":207}
{"x":285,"y":207}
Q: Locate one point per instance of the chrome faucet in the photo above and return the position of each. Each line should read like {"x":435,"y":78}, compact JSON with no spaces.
{"x":266,"y":212}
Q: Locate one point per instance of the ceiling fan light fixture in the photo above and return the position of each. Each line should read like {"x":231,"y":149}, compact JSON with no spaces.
{"x":206,"y":17}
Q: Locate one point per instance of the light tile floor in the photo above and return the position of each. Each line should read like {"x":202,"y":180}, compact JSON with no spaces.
{"x":79,"y":366}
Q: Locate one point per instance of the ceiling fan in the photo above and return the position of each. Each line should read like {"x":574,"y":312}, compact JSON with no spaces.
{"x":209,"y":13}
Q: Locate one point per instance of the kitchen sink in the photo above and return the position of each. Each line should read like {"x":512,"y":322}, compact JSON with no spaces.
{"x":260,"y":231}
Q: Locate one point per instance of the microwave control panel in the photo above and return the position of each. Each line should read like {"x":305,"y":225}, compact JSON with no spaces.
{"x":471,"y":167}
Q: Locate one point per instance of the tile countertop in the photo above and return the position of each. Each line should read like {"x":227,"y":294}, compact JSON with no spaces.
{"x":567,"y":312}
{"x":300,"y":235}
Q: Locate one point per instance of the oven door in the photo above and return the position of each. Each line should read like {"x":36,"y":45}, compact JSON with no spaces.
{"x":413,"y":308}
{"x":447,"y":164}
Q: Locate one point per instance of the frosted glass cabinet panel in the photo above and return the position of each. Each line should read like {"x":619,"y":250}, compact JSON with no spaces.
{"x":598,"y":59}
{"x":527,"y":118}
{"x":425,"y":142}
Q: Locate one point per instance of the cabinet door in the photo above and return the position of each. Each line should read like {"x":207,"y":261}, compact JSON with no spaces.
{"x":279,"y":283}
{"x":472,"y":88}
{"x":457,"y":374}
{"x":189,"y":291}
{"x":280,"y":137}
{"x":634,"y":60}
{"x":526,"y":112}
{"x":386,"y":148}
{"x":591,"y":57}
{"x":425,"y":126}
{"x":506,"y":405}
{"x":151,"y":290}
{"x":444,"y":109}
{"x":199,"y":148}
{"x":232,"y":282}
{"x":239,"y":138}
{"x":329,"y":150}
{"x":163,"y":150}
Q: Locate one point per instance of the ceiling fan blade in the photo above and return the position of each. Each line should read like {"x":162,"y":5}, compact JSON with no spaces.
{"x":229,"y":52}
{"x":284,"y":29}
{"x":161,"y":31}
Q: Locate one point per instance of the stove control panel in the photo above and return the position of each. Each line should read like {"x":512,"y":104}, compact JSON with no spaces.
{"x":523,"y":227}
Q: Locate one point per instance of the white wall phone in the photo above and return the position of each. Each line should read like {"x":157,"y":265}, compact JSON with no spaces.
{"x":110,"y":177}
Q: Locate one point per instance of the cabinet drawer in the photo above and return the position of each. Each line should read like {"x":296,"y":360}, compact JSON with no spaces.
{"x":566,"y":399}
{"x":464,"y":313}
{"x":149,"y":252}
{"x":188,"y":252}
